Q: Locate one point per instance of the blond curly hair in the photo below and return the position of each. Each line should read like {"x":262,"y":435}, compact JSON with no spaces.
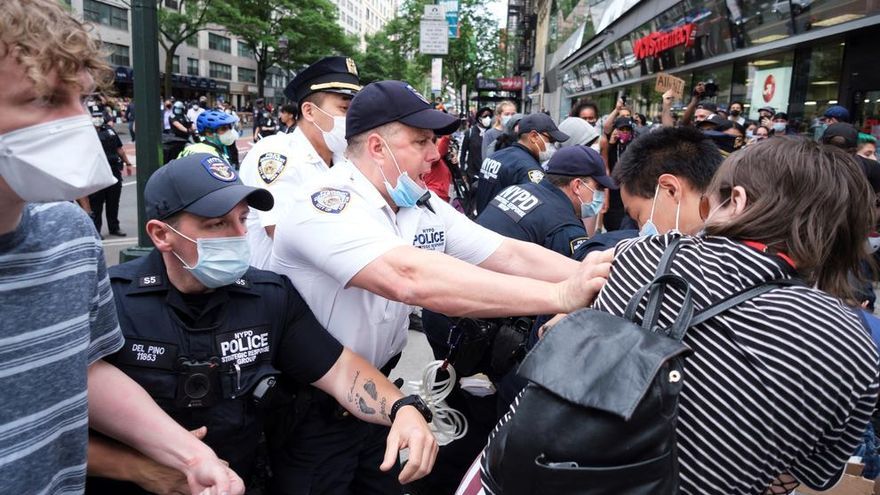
{"x":47,"y":40}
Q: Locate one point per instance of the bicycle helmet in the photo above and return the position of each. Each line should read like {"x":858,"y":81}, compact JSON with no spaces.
{"x":212,"y":119}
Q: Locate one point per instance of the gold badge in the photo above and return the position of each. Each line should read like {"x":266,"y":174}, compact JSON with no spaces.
{"x":270,"y":166}
{"x":351,"y":66}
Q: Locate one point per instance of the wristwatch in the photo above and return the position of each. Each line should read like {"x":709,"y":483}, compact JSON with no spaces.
{"x":415,"y":401}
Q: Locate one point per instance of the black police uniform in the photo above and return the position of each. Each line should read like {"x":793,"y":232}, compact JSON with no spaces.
{"x":109,"y":196}
{"x":201,"y":356}
{"x":539,"y":213}
{"x":507,"y":167}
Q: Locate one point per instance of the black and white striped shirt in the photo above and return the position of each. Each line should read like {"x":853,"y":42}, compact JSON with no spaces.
{"x":783,"y":383}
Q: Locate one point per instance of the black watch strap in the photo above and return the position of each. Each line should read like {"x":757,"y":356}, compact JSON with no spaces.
{"x":411,"y":400}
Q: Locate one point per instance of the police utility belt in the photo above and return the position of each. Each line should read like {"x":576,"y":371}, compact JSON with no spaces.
{"x":491,"y":346}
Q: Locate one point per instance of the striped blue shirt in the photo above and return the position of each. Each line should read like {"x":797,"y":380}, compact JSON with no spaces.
{"x":56,"y":318}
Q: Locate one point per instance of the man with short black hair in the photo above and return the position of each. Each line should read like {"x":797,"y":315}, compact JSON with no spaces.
{"x":663,"y":176}
{"x":287,"y":116}
{"x":736,"y":110}
{"x":521,"y":162}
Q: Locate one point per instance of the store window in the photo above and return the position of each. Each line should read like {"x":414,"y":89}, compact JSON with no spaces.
{"x":219,"y":43}
{"x":823,"y":82}
{"x":105,"y":14}
{"x":768,"y":83}
{"x":175,"y":65}
{"x":220,"y":71}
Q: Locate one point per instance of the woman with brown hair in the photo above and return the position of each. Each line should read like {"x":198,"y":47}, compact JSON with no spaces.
{"x":780,"y":388}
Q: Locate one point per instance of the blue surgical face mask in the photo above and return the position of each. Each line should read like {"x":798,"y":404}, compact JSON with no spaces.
{"x":779,"y":126}
{"x":592,"y":208}
{"x":407,"y":193}
{"x":649,"y":228}
{"x":222,"y":260}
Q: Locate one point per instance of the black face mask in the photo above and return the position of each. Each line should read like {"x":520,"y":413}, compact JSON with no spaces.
{"x":735,"y":113}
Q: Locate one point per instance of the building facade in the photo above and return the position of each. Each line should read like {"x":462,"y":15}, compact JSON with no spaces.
{"x":212,"y":63}
{"x":364,"y":17}
{"x":798,"y":56}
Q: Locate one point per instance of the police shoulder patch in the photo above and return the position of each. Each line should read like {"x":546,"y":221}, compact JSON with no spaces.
{"x":577,"y":242}
{"x":330,"y":200}
{"x":536,"y":176}
{"x":270,"y":166}
{"x":219,"y":169}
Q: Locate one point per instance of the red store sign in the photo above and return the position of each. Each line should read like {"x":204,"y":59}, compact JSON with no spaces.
{"x":655,"y":43}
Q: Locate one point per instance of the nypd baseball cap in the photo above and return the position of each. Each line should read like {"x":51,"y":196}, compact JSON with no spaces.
{"x":580,"y":161}
{"x":541,"y":122}
{"x":201,"y":184}
{"x":383,"y":102}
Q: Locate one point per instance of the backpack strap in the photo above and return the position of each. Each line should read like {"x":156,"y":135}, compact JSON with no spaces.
{"x":652,"y":309}
{"x":734,"y":300}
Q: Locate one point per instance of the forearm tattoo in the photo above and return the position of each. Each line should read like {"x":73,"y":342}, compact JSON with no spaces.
{"x":370,"y":391}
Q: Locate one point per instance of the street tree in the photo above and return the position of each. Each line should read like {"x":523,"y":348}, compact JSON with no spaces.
{"x":309,"y":26}
{"x":393,"y":52}
{"x":178,"y":24}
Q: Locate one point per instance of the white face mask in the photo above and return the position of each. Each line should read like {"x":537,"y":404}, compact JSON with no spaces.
{"x":549,"y":150}
{"x":486,"y":121}
{"x":60,"y":160}
{"x":505,"y":119}
{"x":228,"y":137}
{"x":335,"y":138}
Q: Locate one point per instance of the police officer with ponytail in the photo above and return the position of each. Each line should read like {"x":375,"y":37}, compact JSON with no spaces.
{"x":211,"y":339}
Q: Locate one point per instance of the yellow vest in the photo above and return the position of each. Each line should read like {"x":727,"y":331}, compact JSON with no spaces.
{"x":201,"y":148}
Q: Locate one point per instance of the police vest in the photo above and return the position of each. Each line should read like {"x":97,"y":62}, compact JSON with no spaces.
{"x":506,"y":167}
{"x":203,"y":376}
{"x":538,"y":213}
{"x":204,"y":147}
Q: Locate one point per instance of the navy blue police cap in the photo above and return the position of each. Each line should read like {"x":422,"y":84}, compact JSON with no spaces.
{"x":580,"y":161}
{"x":201,"y":184}
{"x":541,"y":122}
{"x":330,"y":74}
{"x":383,"y":102}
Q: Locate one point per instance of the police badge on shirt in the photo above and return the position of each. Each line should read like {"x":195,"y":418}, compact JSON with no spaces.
{"x":270,"y":166}
{"x":330,"y":200}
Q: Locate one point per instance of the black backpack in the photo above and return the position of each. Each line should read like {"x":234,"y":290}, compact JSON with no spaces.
{"x":599,"y":413}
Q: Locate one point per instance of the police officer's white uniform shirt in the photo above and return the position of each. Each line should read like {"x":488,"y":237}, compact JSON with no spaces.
{"x":282,"y":164}
{"x":337,"y":227}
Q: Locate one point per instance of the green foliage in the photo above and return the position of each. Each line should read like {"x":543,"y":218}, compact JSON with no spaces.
{"x":176,"y":25}
{"x":392,"y":53}
{"x":308,"y":25}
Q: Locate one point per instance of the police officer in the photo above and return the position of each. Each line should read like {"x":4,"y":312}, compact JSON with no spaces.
{"x":284,"y":162}
{"x":207,"y":336}
{"x":521,"y":162}
{"x":180,"y":133}
{"x":549,"y":212}
{"x":217,"y":132}
{"x":116,"y":157}
{"x":367,"y":241}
